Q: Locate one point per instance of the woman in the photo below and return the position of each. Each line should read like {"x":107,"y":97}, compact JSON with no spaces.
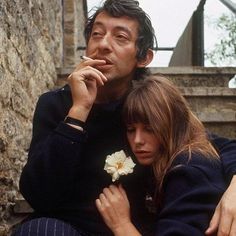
{"x":163,"y":132}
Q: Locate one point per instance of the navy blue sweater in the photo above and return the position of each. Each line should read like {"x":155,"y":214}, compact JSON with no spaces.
{"x":64,"y":172}
{"x":191,"y":191}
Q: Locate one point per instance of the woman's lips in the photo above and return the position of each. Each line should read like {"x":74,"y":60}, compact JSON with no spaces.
{"x":142,"y":153}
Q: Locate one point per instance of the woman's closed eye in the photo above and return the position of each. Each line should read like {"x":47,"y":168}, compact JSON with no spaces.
{"x":148,"y":128}
{"x":130,"y":129}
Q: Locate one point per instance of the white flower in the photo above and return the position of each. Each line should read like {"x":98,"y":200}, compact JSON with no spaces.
{"x":118,"y":164}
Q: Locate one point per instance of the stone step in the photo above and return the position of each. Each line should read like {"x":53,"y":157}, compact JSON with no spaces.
{"x":217,"y":117}
{"x":221,"y":122}
{"x":201,"y":99}
{"x":197,"y":76}
{"x":22,"y":207}
{"x":206,"y":90}
{"x":181,"y":76}
{"x":224,"y":129}
{"x":217,"y":100}
{"x":215,"y":107}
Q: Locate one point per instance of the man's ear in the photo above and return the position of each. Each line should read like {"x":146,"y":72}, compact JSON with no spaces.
{"x":147,"y":60}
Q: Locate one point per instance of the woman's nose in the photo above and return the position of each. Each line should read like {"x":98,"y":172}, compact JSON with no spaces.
{"x":138,"y":138}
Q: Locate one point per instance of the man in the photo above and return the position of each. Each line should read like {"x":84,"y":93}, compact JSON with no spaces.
{"x":76,"y":127}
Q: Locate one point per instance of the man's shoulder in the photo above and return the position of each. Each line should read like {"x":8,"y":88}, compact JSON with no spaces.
{"x":58,"y":99}
{"x":59,"y":93}
{"x":65,"y":90}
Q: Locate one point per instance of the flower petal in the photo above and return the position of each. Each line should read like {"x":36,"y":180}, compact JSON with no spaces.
{"x":118,"y":164}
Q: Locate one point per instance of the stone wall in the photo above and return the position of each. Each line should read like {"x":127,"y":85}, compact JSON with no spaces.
{"x":30,"y":50}
{"x":75,"y":13}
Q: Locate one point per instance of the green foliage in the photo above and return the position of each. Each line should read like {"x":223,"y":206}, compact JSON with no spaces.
{"x":224,"y":52}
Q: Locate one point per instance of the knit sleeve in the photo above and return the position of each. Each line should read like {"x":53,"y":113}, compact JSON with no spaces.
{"x":227,"y":151}
{"x":190,"y":195}
{"x":48,"y":176}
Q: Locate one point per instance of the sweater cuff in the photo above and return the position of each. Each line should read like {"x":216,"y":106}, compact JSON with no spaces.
{"x":71,"y":133}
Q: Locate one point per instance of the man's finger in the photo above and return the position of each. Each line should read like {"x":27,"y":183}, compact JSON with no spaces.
{"x":214,"y":221}
{"x":233,"y":228}
{"x":225,"y":223}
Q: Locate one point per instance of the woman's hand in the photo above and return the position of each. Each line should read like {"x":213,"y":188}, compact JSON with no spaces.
{"x":224,"y":218}
{"x":114,"y":207}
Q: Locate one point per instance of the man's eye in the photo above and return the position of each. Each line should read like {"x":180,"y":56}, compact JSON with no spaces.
{"x":121,"y":37}
{"x":95,"y":34}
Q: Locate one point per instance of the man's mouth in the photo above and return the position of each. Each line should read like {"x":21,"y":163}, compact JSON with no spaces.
{"x":108,"y":61}
{"x":104,"y":67}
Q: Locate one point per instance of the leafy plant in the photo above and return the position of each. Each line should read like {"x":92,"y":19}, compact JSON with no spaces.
{"x":224,"y":52}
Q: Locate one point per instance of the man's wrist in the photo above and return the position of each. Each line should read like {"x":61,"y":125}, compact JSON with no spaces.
{"x":233,"y":178}
{"x":79,"y":113}
{"x":76,"y":127}
{"x":76,"y":122}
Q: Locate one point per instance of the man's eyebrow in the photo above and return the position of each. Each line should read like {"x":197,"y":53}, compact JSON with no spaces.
{"x":118,"y":27}
{"x":125,"y":29}
{"x":97,"y":23}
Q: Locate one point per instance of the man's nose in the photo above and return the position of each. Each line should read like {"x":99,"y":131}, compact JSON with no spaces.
{"x":105,"y":42}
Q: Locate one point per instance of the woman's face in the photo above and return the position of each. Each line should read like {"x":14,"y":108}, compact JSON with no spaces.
{"x":144,"y":144}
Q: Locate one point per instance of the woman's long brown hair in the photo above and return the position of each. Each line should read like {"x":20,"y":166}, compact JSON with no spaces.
{"x":157,"y":102}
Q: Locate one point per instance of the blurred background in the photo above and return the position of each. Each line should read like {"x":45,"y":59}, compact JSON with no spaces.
{"x":170,"y":18}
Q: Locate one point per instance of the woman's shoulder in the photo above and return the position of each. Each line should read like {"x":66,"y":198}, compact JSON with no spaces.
{"x":195,"y":162}
{"x":196,"y":170}
{"x":195,"y":158}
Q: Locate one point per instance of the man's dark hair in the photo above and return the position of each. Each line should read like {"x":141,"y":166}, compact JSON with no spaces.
{"x":146,"y":35}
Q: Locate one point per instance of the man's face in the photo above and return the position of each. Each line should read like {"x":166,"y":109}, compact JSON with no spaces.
{"x":114,"y":40}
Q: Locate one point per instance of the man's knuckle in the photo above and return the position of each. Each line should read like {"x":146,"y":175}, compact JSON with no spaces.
{"x":222,"y":232}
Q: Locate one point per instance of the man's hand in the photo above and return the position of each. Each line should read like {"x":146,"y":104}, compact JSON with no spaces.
{"x":224,"y":217}
{"x":83,"y":82}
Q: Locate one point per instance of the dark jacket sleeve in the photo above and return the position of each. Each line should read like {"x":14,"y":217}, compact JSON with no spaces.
{"x":54,"y":156}
{"x":191,"y":192}
{"x":227,"y":150}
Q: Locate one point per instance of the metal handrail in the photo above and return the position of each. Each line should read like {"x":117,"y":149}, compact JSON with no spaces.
{"x":82,"y":48}
{"x":227,"y":3}
{"x":230,"y":5}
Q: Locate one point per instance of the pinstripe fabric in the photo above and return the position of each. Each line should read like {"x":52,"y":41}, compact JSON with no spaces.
{"x":46,"y":227}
